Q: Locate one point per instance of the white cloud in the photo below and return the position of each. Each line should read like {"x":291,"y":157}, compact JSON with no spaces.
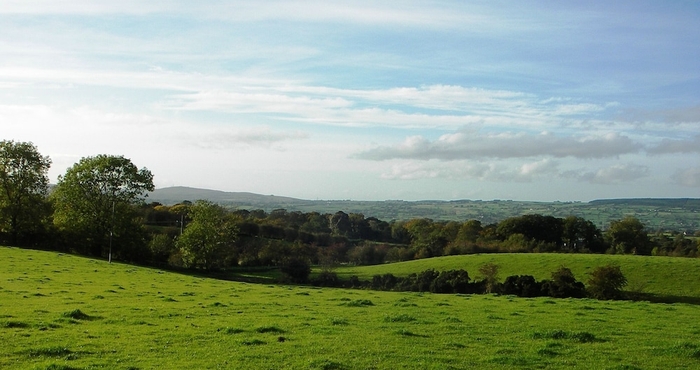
{"x":671,"y":146}
{"x":469,"y":145}
{"x":410,"y":13}
{"x":221,"y":138}
{"x":615,"y":174}
{"x":468,"y":170}
{"x":689,"y":177}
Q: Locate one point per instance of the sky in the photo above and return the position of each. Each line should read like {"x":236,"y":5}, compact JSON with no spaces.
{"x":364,"y":100}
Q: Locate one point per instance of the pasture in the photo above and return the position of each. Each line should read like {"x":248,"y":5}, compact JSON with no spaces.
{"x":65,"y":312}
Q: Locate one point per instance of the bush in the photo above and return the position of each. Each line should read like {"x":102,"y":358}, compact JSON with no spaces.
{"x":452,"y":281}
{"x":522,"y":286}
{"x":606,"y":282}
{"x":563,"y":285}
{"x":326,"y":278}
{"x":296,"y":269}
{"x":384,"y":282}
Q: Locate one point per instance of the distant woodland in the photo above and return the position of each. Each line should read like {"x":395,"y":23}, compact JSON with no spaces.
{"x":98,"y":208}
{"x":657,"y":214}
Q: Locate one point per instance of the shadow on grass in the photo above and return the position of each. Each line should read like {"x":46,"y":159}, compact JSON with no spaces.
{"x":663,"y":298}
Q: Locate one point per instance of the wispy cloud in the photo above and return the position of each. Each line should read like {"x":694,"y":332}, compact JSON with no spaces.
{"x":230,"y":138}
{"x":504,"y":171}
{"x":616,"y":174}
{"x":671,"y":146}
{"x":470,"y":145}
{"x":689,"y":177}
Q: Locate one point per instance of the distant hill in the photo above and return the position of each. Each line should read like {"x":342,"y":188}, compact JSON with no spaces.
{"x":177,"y":194}
{"x":656,"y":213}
{"x":689,"y":203}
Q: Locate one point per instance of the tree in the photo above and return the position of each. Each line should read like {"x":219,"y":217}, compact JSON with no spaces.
{"x":96,"y":198}
{"x":490,"y":273}
{"x":23,"y":187}
{"x":547,"y":229}
{"x":606,"y":282}
{"x":628,"y":236}
{"x":563,"y":285}
{"x":208,"y":240}
{"x":581,"y":234}
{"x":522,"y":286}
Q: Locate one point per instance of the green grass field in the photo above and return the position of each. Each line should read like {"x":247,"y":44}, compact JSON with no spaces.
{"x":65,"y":312}
{"x":672,"y":279}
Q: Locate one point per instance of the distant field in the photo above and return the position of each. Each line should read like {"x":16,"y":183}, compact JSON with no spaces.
{"x":64,"y":312}
{"x":672,"y":277}
{"x":666,"y":214}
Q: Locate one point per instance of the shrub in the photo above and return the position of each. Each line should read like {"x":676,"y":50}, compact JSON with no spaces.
{"x":296,"y":269}
{"x":606,"y":282}
{"x":327,"y":278}
{"x":490,"y":273}
{"x":563,"y":285}
{"x":452,"y":281}
{"x":522,"y":286}
{"x":384,"y":282}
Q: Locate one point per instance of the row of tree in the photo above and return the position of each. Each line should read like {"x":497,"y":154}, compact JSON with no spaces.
{"x":97,"y":208}
{"x":605,"y":282}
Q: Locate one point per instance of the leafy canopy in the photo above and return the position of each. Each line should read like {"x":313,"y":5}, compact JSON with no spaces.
{"x":96,"y":197}
{"x":23,"y":187}
{"x":207,"y":238}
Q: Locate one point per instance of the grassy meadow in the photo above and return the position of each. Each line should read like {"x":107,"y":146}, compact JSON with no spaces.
{"x":59,"y":311}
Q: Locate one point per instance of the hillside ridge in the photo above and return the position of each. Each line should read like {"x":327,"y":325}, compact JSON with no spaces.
{"x":680,"y":214}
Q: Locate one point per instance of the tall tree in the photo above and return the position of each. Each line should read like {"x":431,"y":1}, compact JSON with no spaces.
{"x":24,"y":184}
{"x":96,"y":198}
{"x":581,"y":234}
{"x":629,"y":236}
{"x":208,"y":239}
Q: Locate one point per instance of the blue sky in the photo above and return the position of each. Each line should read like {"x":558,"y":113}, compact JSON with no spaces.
{"x":365,"y":100}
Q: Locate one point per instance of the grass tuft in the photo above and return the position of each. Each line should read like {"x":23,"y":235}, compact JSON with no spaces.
{"x":229,"y":330}
{"x":77,"y":315}
{"x":49,"y":352}
{"x":61,"y":367}
{"x":358,"y":303}
{"x":254,"y":342}
{"x":399,"y":318}
{"x":13,"y":325}
{"x":269,"y":329}
{"x":408,"y":333}
{"x":327,"y":365}
{"x":686,"y":349}
{"x":339,"y":321}
{"x":578,"y":336}
{"x":547,"y":352}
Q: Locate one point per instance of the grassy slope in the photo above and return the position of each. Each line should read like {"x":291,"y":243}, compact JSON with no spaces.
{"x":661,"y":276}
{"x":147,"y":319}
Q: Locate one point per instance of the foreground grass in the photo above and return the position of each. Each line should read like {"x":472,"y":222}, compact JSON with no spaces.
{"x":65,"y":312}
{"x":672,"y":279}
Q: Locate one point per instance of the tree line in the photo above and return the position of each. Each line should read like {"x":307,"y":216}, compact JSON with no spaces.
{"x":605,"y":282}
{"x":98,"y":208}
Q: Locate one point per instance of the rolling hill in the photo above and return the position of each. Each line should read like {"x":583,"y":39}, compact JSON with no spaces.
{"x":656,"y":214}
